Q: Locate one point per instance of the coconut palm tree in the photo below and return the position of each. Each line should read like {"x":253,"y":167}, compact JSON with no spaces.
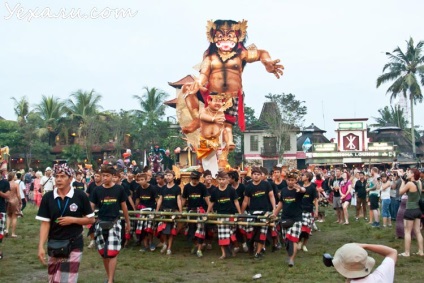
{"x":391,"y":116}
{"x":21,"y":108}
{"x":83,"y":109}
{"x":151,"y":103}
{"x":50,"y":110}
{"x":152,"y":110}
{"x":406,"y":69}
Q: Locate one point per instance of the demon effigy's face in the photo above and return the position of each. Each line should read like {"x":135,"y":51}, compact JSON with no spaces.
{"x":226,"y":34}
{"x":225,"y":39}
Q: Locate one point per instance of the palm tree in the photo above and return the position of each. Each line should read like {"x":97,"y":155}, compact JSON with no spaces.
{"x":393,"y":116}
{"x":151,"y":103}
{"x":86,"y":104}
{"x":21,"y":108}
{"x":403,"y":68}
{"x":50,"y":110}
{"x":152,"y":110}
{"x":83,"y":109}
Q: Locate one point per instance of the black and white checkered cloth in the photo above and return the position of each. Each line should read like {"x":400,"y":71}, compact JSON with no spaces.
{"x":233,"y":110}
{"x":226,"y":233}
{"x":114,"y":238}
{"x":249,"y":230}
{"x":292,"y":233}
{"x":145,"y":225}
{"x":2,"y":225}
{"x":307,"y":221}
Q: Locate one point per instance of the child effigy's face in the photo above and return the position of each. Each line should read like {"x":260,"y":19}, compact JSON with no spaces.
{"x":215,"y":104}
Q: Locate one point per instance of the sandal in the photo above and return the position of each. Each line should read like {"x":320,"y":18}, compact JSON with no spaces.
{"x":403,"y":255}
{"x":418,"y":254}
{"x":222,"y":257}
{"x":14,"y":236}
{"x":346,"y":223}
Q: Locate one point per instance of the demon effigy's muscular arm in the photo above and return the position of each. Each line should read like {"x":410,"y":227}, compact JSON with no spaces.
{"x":252,"y":55}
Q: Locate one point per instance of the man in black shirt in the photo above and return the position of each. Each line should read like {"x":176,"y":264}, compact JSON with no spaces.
{"x":196,"y":196}
{"x":291,"y":201}
{"x":62,"y":213}
{"x":145,"y":199}
{"x":78,"y":184}
{"x":90,"y":189}
{"x":361,"y":196}
{"x":110,"y":198}
{"x":4,"y":195}
{"x":309,"y":209}
{"x":225,"y":200}
{"x":260,"y":198}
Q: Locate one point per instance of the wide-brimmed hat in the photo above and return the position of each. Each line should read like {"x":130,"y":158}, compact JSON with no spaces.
{"x":352,"y":261}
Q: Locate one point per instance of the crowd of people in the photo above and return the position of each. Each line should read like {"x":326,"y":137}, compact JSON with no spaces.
{"x":291,"y":200}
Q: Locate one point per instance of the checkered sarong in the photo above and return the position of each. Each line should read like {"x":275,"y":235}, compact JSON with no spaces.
{"x":145,"y":225}
{"x":249,"y":231}
{"x":307,"y":221}
{"x":226,"y":233}
{"x":233,"y":110}
{"x":2,"y":225}
{"x":114,"y":240}
{"x":64,"y":269}
{"x":293,"y":233}
{"x":198,"y":229}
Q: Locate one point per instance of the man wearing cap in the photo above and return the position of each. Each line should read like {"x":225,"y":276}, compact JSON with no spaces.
{"x":47,"y":182}
{"x":4,"y":195}
{"x":352,"y":262}
{"x":62,"y":213}
{"x":196,"y":196}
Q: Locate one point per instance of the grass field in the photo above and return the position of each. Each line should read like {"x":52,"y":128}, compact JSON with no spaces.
{"x":20,"y":263}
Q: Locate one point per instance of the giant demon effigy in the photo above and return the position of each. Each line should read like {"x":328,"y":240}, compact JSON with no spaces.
{"x":208,"y":108}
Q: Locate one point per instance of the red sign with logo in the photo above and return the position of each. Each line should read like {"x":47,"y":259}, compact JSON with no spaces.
{"x":351,"y":142}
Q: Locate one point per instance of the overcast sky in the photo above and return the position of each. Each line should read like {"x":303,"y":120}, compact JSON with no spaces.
{"x":333,"y":51}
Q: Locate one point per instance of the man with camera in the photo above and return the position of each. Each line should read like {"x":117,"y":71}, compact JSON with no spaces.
{"x":394,"y":195}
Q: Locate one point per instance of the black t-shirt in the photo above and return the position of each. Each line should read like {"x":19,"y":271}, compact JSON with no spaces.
{"x":108,"y":200}
{"x":259,"y":196}
{"x":240,"y":193}
{"x":280,"y":186}
{"x":147,"y":196}
{"x":195,"y":196}
{"x":361,"y":189}
{"x":308,"y":198}
{"x":210,"y":190}
{"x":224,"y":200}
{"x":78,"y":185}
{"x":91,"y":188}
{"x":52,"y":208}
{"x":4,"y":188}
{"x":337,"y":183}
{"x":169,"y":197}
{"x":292,"y":204}
{"x":159,"y":189}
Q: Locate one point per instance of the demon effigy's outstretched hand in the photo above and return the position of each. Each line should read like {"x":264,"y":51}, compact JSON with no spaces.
{"x":272,"y":66}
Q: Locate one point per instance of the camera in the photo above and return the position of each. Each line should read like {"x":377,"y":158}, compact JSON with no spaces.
{"x":379,"y":179}
{"x":404,"y":177}
{"x":327,"y":259}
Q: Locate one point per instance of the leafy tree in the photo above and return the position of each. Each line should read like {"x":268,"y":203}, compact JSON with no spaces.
{"x":151,"y":129}
{"x":406,"y":69}
{"x":73,"y":154}
{"x":285,"y":114}
{"x":21,"y":108}
{"x":391,"y":116}
{"x":83,"y":108}
{"x":51,"y":111}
